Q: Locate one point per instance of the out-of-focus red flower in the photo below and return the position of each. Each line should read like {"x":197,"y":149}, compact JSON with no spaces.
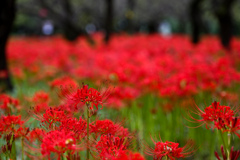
{"x":120,"y":95}
{"x":36,"y":134}
{"x":65,"y":83}
{"x":6,"y":100}
{"x":22,"y":132}
{"x":39,"y":108}
{"x":41,"y":97}
{"x":232,"y":97}
{"x":128,"y":155}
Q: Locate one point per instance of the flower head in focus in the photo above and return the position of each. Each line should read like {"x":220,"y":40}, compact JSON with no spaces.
{"x":110,"y":147}
{"x":216,"y":113}
{"x":171,"y":150}
{"x":86,"y":95}
{"x":58,"y":142}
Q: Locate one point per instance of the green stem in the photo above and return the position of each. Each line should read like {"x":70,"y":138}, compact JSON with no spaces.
{"x":229,"y":145}
{"x":13,"y":149}
{"x":22,"y":148}
{"x":88,"y":121}
{"x":224,"y":144}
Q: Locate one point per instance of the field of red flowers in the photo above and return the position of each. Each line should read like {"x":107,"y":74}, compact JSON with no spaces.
{"x":139,"y":97}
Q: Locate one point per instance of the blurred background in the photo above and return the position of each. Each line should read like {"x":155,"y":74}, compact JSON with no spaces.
{"x":154,"y":51}
{"x":75,"y":17}
{"x":83,"y":18}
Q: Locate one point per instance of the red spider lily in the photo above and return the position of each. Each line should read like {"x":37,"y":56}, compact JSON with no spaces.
{"x":41,"y":97}
{"x":65,"y":83}
{"x":233,"y":154}
{"x":58,"y":142}
{"x":121,"y":95}
{"x":230,"y":97}
{"x":51,"y":116}
{"x":22,"y":132}
{"x":109,"y":146}
{"x":128,"y":155}
{"x":6,"y":100}
{"x":8,"y":123}
{"x":177,"y":79}
{"x":171,"y":150}
{"x":36,"y":134}
{"x":86,"y":95}
{"x":230,"y":125}
{"x":40,"y":108}
{"x":100,"y":127}
{"x":214,"y":113}
{"x":10,"y":138}
{"x":78,"y":127}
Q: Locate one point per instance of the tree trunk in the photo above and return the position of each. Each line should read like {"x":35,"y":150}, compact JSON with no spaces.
{"x":70,"y":31}
{"x":195,"y":20}
{"x":109,"y":20}
{"x":225,"y":22}
{"x":129,"y":16}
{"x":7,"y":15}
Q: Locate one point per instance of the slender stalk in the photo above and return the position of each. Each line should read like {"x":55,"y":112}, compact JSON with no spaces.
{"x":229,"y":145}
{"x":88,"y":121}
{"x":224,"y":144}
{"x":13,"y":149}
{"x":22,"y":148}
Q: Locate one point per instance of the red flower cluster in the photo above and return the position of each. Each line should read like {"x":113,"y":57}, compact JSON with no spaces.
{"x":51,"y":116}
{"x":171,"y":150}
{"x":102,"y":127}
{"x":36,"y":134}
{"x":58,"y":142}
{"x":41,"y":98}
{"x":128,"y":155}
{"x":9,"y":123}
{"x":6,"y":101}
{"x":222,"y":117}
{"x":78,"y":127}
{"x":216,"y":111}
{"x":110,"y":146}
{"x":153,"y":68}
{"x":86,"y":95}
